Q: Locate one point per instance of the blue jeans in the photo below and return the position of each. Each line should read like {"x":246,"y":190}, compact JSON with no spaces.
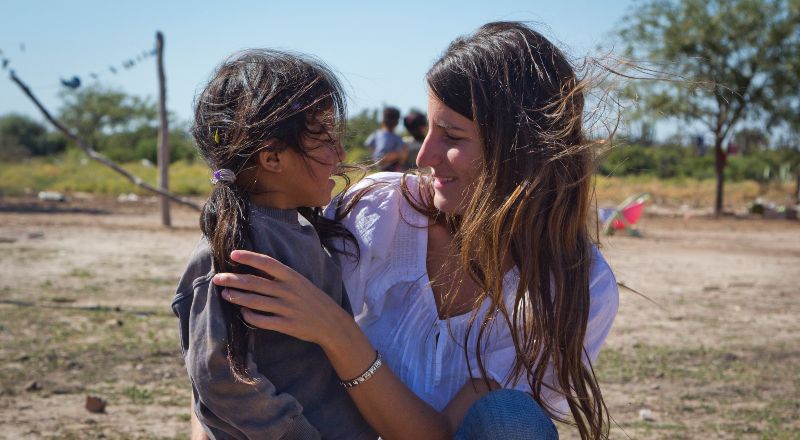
{"x":506,"y":414}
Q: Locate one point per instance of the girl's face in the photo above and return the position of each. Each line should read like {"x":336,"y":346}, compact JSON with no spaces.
{"x":454,"y":152}
{"x":309,"y":180}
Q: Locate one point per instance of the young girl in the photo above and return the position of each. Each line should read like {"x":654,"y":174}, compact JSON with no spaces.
{"x":265,"y":124}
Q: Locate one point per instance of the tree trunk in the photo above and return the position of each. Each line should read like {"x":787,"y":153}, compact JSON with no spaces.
{"x":719,"y":166}
{"x":797,"y":186}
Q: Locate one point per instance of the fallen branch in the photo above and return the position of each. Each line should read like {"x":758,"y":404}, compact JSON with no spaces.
{"x":92,"y":153}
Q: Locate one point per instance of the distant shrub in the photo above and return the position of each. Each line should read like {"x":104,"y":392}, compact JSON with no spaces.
{"x":676,"y":161}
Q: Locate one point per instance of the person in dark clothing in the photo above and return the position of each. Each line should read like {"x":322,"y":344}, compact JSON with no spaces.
{"x":266,"y":125}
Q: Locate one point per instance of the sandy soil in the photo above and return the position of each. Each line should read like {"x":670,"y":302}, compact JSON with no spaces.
{"x":710,"y":344}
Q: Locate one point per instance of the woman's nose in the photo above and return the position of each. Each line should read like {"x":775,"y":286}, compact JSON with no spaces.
{"x":427,"y":152}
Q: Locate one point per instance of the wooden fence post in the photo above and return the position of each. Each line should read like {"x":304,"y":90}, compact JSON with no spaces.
{"x":163,"y":131}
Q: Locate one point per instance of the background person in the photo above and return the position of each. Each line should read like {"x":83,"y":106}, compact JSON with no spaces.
{"x":389,"y":152}
{"x":416,"y":124}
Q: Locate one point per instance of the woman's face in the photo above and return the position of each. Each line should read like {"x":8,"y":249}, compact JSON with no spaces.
{"x":454,"y":152}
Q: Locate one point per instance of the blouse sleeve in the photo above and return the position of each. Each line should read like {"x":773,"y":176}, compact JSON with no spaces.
{"x":604,"y":301}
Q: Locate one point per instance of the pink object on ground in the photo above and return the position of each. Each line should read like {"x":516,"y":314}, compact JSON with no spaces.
{"x":625,"y":216}
{"x":632,"y":213}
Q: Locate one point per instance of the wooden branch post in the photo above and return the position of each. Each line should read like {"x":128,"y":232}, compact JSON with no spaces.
{"x":94,"y":155}
{"x":163,"y":131}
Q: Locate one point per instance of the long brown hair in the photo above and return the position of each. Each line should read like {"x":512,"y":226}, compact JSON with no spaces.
{"x":530,"y":203}
{"x":256,"y":100}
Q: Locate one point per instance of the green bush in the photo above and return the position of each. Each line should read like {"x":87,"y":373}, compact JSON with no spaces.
{"x":21,"y":137}
{"x":676,"y":161}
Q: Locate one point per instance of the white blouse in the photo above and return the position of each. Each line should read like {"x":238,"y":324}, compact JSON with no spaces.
{"x":393,"y":302}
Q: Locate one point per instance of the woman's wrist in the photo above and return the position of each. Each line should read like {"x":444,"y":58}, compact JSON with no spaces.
{"x":339,"y":333}
{"x":348,"y":349}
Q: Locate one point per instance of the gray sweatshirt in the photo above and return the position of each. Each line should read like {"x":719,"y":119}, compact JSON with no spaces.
{"x":298,"y":395}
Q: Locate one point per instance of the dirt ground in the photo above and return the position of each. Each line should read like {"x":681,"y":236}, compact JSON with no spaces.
{"x":708,"y":348}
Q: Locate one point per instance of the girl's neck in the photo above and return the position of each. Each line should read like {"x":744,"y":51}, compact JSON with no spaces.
{"x":273,"y":200}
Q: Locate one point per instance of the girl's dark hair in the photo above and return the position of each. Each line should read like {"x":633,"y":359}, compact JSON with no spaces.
{"x":532,"y":196}
{"x":256,"y":100}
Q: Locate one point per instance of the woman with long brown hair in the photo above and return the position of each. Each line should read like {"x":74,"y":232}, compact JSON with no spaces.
{"x":480,"y":296}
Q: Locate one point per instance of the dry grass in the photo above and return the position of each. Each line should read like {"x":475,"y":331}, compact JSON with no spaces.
{"x":692,"y":192}
{"x":72,"y":173}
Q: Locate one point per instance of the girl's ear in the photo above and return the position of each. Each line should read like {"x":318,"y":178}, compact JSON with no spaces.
{"x":270,"y":161}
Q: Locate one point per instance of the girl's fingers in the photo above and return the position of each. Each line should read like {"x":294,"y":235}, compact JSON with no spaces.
{"x":264,"y":263}
{"x":266,"y":322}
{"x":253,"y":301}
{"x":250,"y":283}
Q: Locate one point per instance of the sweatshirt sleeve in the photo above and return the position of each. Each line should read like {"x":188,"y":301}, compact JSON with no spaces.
{"x":227,"y":407}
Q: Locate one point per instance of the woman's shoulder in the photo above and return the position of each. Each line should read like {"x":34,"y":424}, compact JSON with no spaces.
{"x":602,"y":277}
{"x":376,"y":187}
{"x":603,"y":291}
{"x":377,"y":203}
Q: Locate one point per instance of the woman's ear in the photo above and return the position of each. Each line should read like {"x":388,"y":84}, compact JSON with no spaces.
{"x":270,"y":161}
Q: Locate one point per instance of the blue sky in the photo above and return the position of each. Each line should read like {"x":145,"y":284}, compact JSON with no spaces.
{"x":380,"y":52}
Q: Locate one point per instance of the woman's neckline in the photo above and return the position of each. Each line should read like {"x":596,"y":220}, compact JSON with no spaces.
{"x":428,"y":284}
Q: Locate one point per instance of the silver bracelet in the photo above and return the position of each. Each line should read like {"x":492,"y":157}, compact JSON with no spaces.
{"x":365,"y":375}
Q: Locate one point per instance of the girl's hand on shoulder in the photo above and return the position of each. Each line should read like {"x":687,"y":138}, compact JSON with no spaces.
{"x":288,"y":303}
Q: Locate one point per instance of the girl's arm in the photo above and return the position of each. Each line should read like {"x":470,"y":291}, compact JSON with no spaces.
{"x":298,"y":308}
{"x":197,"y":432}
{"x":226,"y":404}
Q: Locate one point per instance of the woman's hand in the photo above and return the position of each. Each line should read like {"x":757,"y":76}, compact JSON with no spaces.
{"x":297,"y":307}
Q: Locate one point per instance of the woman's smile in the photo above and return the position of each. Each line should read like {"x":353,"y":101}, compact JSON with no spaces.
{"x":441,"y":182}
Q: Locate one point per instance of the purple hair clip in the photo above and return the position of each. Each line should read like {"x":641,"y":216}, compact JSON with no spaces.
{"x":295,"y":106}
{"x":223,"y":175}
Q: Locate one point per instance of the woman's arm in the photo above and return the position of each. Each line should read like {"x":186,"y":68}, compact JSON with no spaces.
{"x":298,"y":308}
{"x":473,"y":390}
